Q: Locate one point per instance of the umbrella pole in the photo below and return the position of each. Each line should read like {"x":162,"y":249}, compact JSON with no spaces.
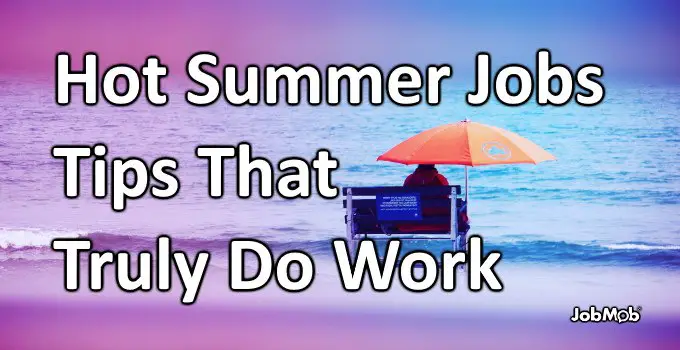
{"x":466,"y":184}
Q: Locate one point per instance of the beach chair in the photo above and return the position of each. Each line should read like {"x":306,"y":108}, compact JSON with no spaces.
{"x":382,"y":212}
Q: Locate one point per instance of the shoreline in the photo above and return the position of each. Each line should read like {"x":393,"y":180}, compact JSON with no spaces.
{"x":533,"y":311}
{"x":527,"y":289}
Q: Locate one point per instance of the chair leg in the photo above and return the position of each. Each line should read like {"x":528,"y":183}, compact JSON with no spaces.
{"x":457,"y":244}
{"x":461,"y":245}
{"x":352,"y":247}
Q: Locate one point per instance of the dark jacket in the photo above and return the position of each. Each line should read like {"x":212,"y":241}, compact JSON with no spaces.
{"x":425,"y":177}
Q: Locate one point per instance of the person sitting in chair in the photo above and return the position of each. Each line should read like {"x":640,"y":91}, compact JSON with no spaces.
{"x":427,"y":175}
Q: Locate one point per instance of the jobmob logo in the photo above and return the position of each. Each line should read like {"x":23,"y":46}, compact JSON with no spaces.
{"x":496,"y":150}
{"x":607,"y":314}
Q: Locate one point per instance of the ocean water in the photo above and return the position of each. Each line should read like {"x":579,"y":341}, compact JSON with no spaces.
{"x":611,"y":199}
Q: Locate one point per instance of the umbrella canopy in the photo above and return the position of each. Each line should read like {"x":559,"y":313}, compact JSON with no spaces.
{"x":466,"y":143}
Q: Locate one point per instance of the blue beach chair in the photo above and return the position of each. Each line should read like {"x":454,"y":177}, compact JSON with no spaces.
{"x":388,"y":212}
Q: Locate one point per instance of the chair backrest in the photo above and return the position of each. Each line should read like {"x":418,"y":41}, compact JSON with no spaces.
{"x":397,"y":204}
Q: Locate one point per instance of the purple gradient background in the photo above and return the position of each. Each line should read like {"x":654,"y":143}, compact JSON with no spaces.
{"x":633,"y":40}
{"x":630,"y":38}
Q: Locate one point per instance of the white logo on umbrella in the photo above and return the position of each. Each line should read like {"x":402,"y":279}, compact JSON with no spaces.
{"x":496,"y":150}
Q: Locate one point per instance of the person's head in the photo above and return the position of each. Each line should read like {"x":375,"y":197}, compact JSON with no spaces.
{"x":426,"y":167}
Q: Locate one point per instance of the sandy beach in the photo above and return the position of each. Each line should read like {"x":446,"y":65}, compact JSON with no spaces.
{"x":33,"y":324}
{"x":38,"y":315}
{"x":560,"y":123}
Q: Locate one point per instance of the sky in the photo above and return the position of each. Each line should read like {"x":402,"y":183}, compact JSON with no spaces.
{"x":628,"y":38}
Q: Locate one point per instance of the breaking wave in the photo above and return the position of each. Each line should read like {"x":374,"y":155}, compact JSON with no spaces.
{"x":35,"y":244}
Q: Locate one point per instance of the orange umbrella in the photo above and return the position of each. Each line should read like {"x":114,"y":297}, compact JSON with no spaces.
{"x":466,"y":143}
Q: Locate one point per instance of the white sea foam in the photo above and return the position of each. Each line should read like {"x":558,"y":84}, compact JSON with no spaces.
{"x":634,"y":246}
{"x":33,"y":237}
